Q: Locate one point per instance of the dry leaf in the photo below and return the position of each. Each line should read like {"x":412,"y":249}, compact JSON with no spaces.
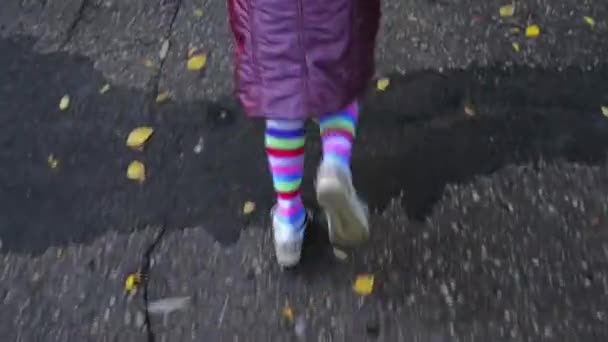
{"x":163,"y":97}
{"x":516,"y":47}
{"x":515,"y":30}
{"x":507,"y":11}
{"x":532,"y":31}
{"x":136,"y":171}
{"x":468,"y":109}
{"x":382,"y":84}
{"x":197,"y":62}
{"x":64,"y":103}
{"x":132,"y":281}
{"x":168,"y":305}
{"x":605,"y":111}
{"x":138,"y":137}
{"x":589,"y":21}
{"x":287,"y":313}
{"x":364,"y":284}
{"x":148,"y":63}
{"x":104,"y":89}
{"x":164,"y":50}
{"x":248,"y":208}
{"x":198,"y":13}
{"x":340,"y":254}
{"x":52,"y":161}
{"x":192,"y":51}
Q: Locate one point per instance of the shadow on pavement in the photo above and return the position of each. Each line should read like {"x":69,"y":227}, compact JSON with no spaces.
{"x":417,"y":137}
{"x":205,"y":160}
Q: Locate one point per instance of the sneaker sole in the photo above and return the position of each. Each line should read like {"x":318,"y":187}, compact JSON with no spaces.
{"x":347,"y":219}
{"x":287,"y":259}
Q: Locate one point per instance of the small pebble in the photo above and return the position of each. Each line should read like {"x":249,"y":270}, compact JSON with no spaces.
{"x":199,"y":146}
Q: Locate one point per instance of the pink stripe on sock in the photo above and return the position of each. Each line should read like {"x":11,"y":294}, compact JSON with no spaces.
{"x":337,"y":149}
{"x":286,"y":169}
{"x":337,"y":132}
{"x":286,"y":161}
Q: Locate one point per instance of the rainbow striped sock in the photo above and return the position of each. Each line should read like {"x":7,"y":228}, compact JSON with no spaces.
{"x":285,"y":148}
{"x":337,"y":133}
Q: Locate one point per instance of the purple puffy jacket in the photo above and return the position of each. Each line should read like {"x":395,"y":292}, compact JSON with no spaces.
{"x":298,"y":59}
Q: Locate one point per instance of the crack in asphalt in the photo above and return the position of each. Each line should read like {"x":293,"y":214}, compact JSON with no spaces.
{"x":145,"y":266}
{"x":145,"y":270}
{"x":173,"y":7}
{"x":70,"y":31}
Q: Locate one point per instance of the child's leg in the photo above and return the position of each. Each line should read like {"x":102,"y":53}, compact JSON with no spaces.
{"x":285,"y":147}
{"x":347,"y":215}
{"x":337,"y":133}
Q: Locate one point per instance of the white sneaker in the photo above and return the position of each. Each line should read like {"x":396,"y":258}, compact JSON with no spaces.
{"x":347,"y":215}
{"x":287,"y":241}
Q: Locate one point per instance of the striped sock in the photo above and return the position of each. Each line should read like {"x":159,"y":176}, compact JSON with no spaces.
{"x":285,"y":148}
{"x":337,"y":133}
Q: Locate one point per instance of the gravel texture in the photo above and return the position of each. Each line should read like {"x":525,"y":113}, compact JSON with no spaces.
{"x":485,"y":168}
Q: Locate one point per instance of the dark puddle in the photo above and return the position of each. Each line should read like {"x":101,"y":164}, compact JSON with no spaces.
{"x":414,"y":139}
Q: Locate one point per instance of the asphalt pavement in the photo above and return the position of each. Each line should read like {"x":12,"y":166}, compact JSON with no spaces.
{"x":484,"y":163}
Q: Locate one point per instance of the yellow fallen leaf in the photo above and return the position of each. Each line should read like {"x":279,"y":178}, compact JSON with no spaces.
{"x":532,"y":31}
{"x":605,"y":111}
{"x":197,"y":62}
{"x":52,"y":161}
{"x":104,"y":89}
{"x":138,"y":137}
{"x":288,"y":313}
{"x":248,"y":208}
{"x":198,"y":13}
{"x":136,"y":171}
{"x":64,"y":103}
{"x":516,"y":47}
{"x":364,"y":284}
{"x":132,"y":281}
{"x":383,"y":83}
{"x":507,"y":11}
{"x":589,"y":21}
{"x":163,"y":97}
